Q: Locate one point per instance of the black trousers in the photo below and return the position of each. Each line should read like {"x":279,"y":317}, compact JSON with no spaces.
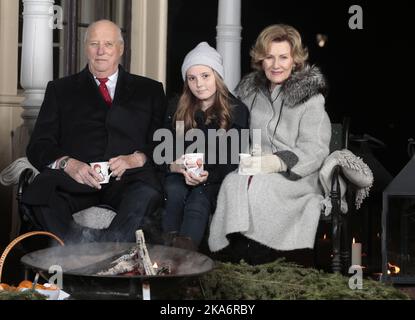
{"x":253,"y":253}
{"x":133,"y":202}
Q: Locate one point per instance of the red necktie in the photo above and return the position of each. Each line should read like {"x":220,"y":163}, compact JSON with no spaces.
{"x":104,"y":91}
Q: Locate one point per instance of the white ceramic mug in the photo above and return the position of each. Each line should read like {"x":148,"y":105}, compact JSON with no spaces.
{"x":193,"y":163}
{"x":103,"y":169}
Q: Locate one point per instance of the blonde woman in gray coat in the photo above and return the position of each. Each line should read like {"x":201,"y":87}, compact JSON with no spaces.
{"x":274,"y":200}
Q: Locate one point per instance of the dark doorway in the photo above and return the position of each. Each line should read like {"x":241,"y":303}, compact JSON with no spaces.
{"x":190,"y":22}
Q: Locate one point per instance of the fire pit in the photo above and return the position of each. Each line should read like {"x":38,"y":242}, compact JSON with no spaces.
{"x":81,"y":263}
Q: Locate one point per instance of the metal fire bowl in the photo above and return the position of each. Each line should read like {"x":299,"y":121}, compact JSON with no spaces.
{"x":80,"y":264}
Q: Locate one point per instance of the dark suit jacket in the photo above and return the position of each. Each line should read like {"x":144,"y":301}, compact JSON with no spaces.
{"x":74,"y":120}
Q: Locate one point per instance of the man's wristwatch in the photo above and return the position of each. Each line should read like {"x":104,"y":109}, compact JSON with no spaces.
{"x":63,"y":163}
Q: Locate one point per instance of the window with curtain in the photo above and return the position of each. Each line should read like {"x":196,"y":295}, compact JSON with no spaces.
{"x":78,"y":14}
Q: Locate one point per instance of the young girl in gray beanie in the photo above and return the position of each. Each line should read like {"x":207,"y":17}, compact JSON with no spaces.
{"x":204,"y":104}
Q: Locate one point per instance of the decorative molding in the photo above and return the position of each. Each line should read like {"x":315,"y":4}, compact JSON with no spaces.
{"x":37,"y":56}
{"x":11,"y":101}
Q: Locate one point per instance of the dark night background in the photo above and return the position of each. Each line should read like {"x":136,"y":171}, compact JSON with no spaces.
{"x":364,"y":68}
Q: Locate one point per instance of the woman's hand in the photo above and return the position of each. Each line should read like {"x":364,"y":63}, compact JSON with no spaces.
{"x":269,"y":163}
{"x":193,"y":180}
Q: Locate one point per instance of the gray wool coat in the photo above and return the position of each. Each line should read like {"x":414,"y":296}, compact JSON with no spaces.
{"x":279,"y":210}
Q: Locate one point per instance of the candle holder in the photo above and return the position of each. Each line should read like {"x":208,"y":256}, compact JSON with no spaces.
{"x":398,"y":228}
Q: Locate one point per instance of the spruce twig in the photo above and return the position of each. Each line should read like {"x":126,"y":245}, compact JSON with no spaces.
{"x":281,"y":280}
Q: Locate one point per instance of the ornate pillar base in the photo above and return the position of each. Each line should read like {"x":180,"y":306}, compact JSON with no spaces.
{"x":37,"y":56}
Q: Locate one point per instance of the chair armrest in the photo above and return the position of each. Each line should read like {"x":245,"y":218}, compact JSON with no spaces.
{"x":25,"y":211}
{"x":24,"y":179}
{"x":346,"y":128}
{"x":335,"y":188}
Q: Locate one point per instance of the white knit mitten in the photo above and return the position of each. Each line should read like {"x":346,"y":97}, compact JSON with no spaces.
{"x":269,"y":163}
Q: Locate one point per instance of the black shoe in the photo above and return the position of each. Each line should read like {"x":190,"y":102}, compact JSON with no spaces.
{"x":184,"y":243}
{"x":168,"y":238}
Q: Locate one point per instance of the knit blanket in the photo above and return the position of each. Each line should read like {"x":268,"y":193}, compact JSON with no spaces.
{"x":10,"y":175}
{"x":354,"y":170}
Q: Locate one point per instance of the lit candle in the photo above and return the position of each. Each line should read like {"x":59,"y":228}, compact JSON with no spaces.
{"x":356,"y":253}
{"x":324,"y":252}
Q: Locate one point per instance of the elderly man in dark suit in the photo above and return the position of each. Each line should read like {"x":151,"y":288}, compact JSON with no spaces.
{"x":101,"y":114}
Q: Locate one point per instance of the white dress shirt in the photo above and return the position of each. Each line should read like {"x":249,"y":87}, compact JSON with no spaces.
{"x":111,"y":83}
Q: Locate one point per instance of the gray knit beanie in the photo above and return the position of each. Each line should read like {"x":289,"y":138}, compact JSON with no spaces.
{"x":205,"y":55}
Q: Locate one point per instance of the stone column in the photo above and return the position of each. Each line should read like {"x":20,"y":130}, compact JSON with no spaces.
{"x":228,"y":40}
{"x":37,"y":56}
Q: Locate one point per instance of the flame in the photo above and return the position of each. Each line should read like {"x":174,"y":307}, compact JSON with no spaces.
{"x":155,"y":265}
{"x":354,"y":240}
{"x":325,"y":236}
{"x":393,"y":269}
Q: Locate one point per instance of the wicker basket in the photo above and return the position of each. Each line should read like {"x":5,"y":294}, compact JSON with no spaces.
{"x":22,"y":237}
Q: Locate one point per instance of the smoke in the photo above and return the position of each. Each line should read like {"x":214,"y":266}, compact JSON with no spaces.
{"x":77,"y":234}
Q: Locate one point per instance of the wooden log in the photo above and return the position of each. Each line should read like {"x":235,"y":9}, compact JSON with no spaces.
{"x":143,"y":253}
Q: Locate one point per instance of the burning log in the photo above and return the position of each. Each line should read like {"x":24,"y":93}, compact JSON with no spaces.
{"x":143,"y":253}
{"x":121,"y":267}
{"x":136,"y":262}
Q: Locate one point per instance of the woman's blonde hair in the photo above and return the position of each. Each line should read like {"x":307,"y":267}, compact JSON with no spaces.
{"x":279,"y":33}
{"x":220,"y":111}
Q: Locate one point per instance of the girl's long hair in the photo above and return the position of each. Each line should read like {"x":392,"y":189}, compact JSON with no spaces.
{"x":219,"y":112}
